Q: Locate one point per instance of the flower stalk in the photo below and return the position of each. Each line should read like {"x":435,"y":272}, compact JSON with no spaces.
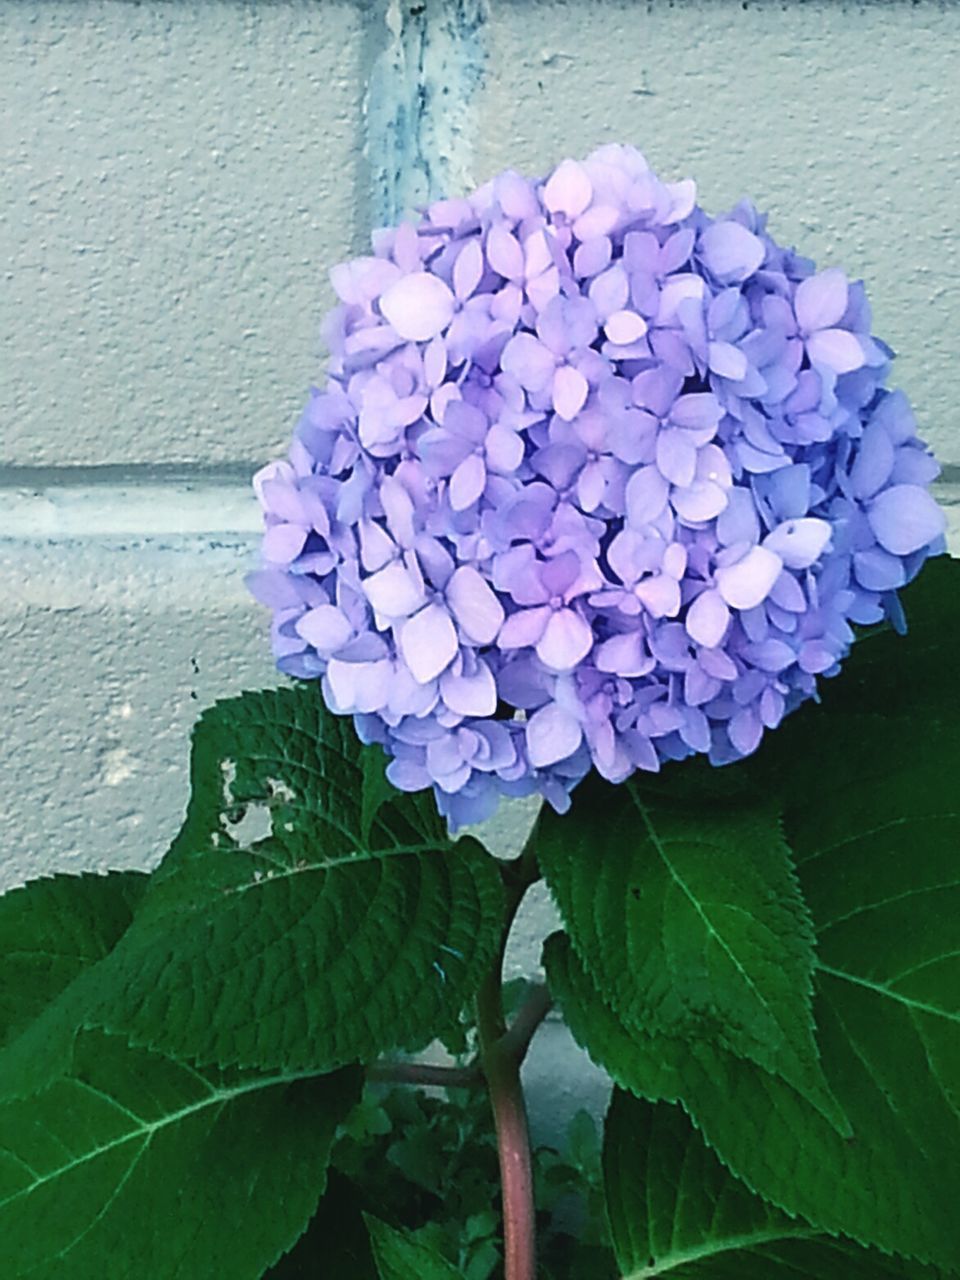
{"x":501,"y":1066}
{"x":501,"y":1055}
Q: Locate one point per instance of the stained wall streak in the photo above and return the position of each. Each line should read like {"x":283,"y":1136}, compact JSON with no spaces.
{"x":418,"y":104}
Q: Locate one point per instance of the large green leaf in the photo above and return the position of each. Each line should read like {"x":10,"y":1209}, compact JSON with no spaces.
{"x":130,"y":1163}
{"x":674,"y":1210}
{"x":868,"y":793}
{"x":691,"y":922}
{"x":137,"y":1165}
{"x":51,"y":930}
{"x":908,"y":675}
{"x":400,"y":1256}
{"x":895,"y":702}
{"x":351,"y":926}
{"x":895,"y":1183}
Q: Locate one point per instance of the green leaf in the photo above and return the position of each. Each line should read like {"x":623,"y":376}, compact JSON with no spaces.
{"x":353,"y":927}
{"x":137,"y":1165}
{"x":583,"y":1142}
{"x":53,"y":928}
{"x":895,"y":1183}
{"x":867,"y":789}
{"x":891,"y":685}
{"x":116,"y":1161}
{"x":399,"y":1256}
{"x":335,"y":1244}
{"x":691,"y":923}
{"x":673,"y":1209}
{"x":911,"y":675}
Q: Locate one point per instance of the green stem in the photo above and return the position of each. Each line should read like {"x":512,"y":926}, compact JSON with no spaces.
{"x":501,"y":1057}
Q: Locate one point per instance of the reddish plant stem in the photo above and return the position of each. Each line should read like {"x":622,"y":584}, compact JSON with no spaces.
{"x":502,"y":1069}
{"x":501,"y":1056}
{"x":423,"y":1073}
{"x":515,"y":1042}
{"x":516,"y":1039}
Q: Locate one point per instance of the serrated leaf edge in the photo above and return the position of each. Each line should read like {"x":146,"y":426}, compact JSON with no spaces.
{"x":619,"y":1080}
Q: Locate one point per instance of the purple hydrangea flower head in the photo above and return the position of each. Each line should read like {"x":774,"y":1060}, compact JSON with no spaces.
{"x":596,"y":481}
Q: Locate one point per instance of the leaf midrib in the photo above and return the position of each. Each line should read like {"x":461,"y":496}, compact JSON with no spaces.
{"x":695,"y":902}
{"x":879,"y":989}
{"x":352,"y":858}
{"x":146,"y":1129}
{"x":714,"y":1249}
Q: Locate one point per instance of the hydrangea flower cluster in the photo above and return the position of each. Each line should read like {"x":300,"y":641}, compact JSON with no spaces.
{"x":596,"y":480}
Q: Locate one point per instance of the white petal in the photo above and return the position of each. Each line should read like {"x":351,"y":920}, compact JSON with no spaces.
{"x":660,"y":594}
{"x":566,"y":640}
{"x":524,"y":628}
{"x":552,"y":734}
{"x":357,"y":686}
{"x":468,"y":269}
{"x":428,"y":643}
{"x":568,"y":189}
{"x":474,"y":695}
{"x":467,"y":482}
{"x":418,"y":306}
{"x":474,"y":605}
{"x":393,"y":592}
{"x":624,"y":327}
{"x":799,"y":543}
{"x":747,"y":583}
{"x":377,"y":548}
{"x":905,"y":518}
{"x":821,"y":300}
{"x":646,"y":496}
{"x":625,"y":655}
{"x":730,"y":250}
{"x":283,"y":542}
{"x":504,"y":253}
{"x":836,"y":349}
{"x":707,"y":619}
{"x":325,"y":627}
{"x":703,"y":500}
{"x":570,"y":391}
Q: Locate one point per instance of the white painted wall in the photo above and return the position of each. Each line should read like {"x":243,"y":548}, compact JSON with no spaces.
{"x":175,"y":181}
{"x":840,"y":119}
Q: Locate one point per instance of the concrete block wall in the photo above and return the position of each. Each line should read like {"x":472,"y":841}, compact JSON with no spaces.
{"x":177,"y":178}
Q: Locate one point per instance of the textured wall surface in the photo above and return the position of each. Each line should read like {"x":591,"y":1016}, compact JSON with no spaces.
{"x":841,"y":120}
{"x":178,"y":178}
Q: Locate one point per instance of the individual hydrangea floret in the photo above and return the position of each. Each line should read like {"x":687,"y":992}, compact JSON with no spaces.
{"x":596,"y":481}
